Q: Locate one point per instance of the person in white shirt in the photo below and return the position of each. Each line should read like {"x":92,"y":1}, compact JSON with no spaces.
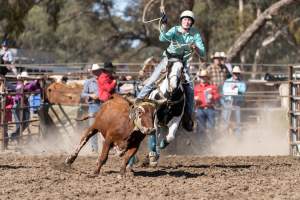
{"x":6,"y":57}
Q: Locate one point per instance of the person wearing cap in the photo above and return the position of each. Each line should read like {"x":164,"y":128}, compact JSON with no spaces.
{"x":233,"y":90}
{"x":6,"y":57}
{"x":206,"y":97}
{"x":216,"y":72}
{"x":226,"y":65}
{"x":183,"y":39}
{"x":91,"y":97}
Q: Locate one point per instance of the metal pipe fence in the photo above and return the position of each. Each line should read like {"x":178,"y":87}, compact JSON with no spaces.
{"x":257,"y":96}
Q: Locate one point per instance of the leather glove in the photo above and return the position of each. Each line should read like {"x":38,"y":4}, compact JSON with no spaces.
{"x":164,"y":18}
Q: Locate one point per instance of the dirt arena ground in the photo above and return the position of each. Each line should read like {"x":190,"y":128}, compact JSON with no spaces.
{"x":176,"y":177}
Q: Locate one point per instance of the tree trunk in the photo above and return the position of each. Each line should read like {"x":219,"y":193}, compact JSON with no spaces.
{"x":241,"y":27}
{"x":241,"y":42}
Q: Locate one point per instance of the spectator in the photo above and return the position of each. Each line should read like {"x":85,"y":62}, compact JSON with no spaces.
{"x":233,"y":89}
{"x":128,"y":87}
{"x":206,"y":96}
{"x":148,"y":68}
{"x":106,"y":82}
{"x":8,"y":117}
{"x":6,"y":57}
{"x":91,"y":97}
{"x":31,"y":86}
{"x":225,"y":65}
{"x":216,"y":73}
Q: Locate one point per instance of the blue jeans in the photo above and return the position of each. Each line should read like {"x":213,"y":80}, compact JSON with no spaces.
{"x":16,"y":111}
{"x":152,"y":143}
{"x":93,"y":109}
{"x":148,"y":87}
{"x":226,"y":114}
{"x":205,"y":119}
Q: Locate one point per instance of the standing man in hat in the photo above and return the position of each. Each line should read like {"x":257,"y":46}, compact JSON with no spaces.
{"x":106,"y":82}
{"x":233,"y":90}
{"x":206,"y":97}
{"x":216,"y":72}
{"x":225,"y":64}
{"x":91,"y":97}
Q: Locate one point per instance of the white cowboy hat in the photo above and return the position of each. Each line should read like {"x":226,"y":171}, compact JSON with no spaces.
{"x":216,"y":55}
{"x":223,"y":54}
{"x":236,"y":69}
{"x":24,"y":74}
{"x":96,"y":67}
{"x":203,"y":73}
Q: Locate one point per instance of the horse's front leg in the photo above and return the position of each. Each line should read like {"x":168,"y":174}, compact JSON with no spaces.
{"x":173,"y":127}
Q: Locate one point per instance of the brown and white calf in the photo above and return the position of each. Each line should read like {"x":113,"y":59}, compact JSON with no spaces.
{"x":121,"y":125}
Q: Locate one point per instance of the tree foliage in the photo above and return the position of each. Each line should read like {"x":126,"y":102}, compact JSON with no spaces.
{"x":95,"y":30}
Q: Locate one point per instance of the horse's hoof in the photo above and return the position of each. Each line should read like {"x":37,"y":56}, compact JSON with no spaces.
{"x":96,"y":173}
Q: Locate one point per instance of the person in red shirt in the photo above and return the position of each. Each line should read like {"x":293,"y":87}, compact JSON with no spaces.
{"x":106,"y":82}
{"x":206,"y":96}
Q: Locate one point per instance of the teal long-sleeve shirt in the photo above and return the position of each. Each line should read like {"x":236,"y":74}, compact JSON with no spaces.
{"x":181,"y":41}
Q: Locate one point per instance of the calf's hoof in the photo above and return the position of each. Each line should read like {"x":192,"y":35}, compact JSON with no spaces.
{"x":68,"y":162}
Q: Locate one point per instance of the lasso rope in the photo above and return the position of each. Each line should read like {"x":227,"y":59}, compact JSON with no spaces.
{"x":162,"y":10}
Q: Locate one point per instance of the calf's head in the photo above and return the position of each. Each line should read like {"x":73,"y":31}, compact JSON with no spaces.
{"x":143,"y":115}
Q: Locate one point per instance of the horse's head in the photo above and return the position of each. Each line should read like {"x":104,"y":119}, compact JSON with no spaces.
{"x":169,"y":82}
{"x":174,"y":74}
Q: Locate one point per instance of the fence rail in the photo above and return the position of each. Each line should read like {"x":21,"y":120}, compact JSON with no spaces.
{"x":258,"y":97}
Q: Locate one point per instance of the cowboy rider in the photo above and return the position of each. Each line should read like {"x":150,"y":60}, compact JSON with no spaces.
{"x":184,"y":39}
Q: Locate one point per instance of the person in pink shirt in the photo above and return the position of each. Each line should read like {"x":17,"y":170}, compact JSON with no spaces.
{"x":9,"y":102}
{"x":29,"y":86}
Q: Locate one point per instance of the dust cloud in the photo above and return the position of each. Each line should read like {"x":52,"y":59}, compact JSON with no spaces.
{"x":267,"y":136}
{"x":56,"y":144}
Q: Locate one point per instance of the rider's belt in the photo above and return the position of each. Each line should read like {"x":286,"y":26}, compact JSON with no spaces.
{"x":172,"y":55}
